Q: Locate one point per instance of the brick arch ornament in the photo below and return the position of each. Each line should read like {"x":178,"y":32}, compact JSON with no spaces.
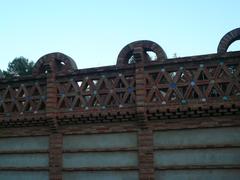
{"x":54,"y":62}
{"x":128,"y":51}
{"x":228,"y":39}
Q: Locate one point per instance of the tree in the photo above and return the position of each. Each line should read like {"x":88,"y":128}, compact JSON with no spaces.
{"x":175,"y":55}
{"x":1,"y":74}
{"x":20,"y":66}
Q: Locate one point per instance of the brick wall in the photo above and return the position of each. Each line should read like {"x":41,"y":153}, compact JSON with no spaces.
{"x":197,"y":92}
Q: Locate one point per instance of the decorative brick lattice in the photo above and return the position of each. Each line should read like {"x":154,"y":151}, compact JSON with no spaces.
{"x":200,"y":83}
{"x":89,"y":92}
{"x":139,"y":88}
{"x":22,"y":98}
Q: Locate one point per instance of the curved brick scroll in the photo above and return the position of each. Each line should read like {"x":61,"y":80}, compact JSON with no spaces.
{"x":228,"y":39}
{"x":54,"y":62}
{"x":128,"y":51}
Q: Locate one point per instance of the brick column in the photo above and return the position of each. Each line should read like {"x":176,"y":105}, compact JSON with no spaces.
{"x":51,"y":105}
{"x":145,"y":148}
{"x":55,"y":156}
{"x":145,"y":135}
{"x":55,"y":139}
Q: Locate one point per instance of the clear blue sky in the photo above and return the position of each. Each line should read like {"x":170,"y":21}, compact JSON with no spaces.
{"x":93,"y":32}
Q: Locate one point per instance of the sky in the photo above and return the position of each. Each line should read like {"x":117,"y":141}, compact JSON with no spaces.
{"x":93,"y":32}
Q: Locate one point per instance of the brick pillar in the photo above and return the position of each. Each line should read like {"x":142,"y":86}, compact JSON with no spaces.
{"x":55,"y":139}
{"x":145,"y":135}
{"x":51,"y":105}
{"x":55,"y":156}
{"x":145,"y":148}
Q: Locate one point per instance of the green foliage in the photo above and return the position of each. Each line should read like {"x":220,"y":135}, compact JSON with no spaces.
{"x":20,"y":66}
{"x":1,"y":74}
